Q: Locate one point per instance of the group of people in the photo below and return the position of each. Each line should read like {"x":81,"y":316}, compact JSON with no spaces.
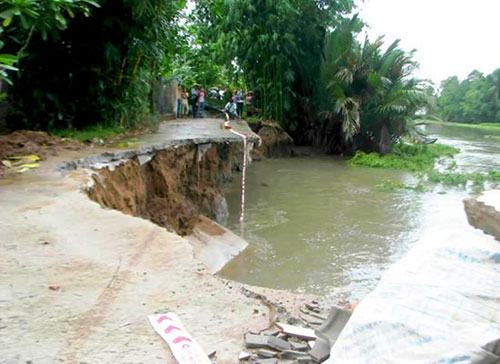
{"x":191,"y":102}
{"x":194,"y":102}
{"x":235,"y":105}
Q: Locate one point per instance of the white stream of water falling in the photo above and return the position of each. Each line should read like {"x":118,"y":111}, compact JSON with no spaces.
{"x":243,"y":172}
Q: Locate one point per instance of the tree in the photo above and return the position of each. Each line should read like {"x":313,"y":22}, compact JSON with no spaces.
{"x":23,"y":18}
{"x":494,"y":94}
{"x":100,"y":69}
{"x":275,"y":46}
{"x":368,"y":93}
{"x":473,"y":100}
{"x":450,"y":99}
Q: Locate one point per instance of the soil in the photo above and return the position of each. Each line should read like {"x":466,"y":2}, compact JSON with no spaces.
{"x":25,"y":142}
{"x":173,"y":188}
{"x":275,"y":141}
{"x":35,"y":142}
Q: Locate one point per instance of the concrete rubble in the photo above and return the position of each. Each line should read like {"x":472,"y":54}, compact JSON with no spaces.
{"x":297,"y":341}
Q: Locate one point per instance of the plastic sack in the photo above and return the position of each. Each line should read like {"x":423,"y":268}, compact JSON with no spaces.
{"x":439,"y":304}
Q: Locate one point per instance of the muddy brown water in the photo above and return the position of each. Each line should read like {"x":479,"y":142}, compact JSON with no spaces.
{"x":318,"y":225}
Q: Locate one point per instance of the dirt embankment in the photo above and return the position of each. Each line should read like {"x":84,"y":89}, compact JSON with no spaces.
{"x":275,"y":141}
{"x":27,"y":142}
{"x":174,"y":187}
{"x":34,"y":142}
{"x":483,"y":212}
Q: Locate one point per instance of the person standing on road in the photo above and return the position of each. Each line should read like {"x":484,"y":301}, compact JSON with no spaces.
{"x":185,"y":103}
{"x":240,"y":100}
{"x":194,"y":100}
{"x":201,"y":102}
{"x":178,"y":95}
{"x":249,"y":103}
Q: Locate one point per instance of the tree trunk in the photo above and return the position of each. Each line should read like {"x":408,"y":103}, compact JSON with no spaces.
{"x":384,"y":145}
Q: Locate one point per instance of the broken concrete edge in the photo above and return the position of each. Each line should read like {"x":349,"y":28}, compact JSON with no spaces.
{"x":329,"y":332}
{"x":114,"y":158}
{"x":482,"y":212}
{"x":214,"y":245}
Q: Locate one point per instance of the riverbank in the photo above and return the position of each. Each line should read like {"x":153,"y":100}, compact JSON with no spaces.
{"x":479,"y":126}
{"x":78,"y":281}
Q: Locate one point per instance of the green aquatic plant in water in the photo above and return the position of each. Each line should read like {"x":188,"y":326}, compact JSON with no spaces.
{"x":421,"y":158}
{"x":412,"y":157}
{"x":392,"y":186}
{"x":477,"y":179}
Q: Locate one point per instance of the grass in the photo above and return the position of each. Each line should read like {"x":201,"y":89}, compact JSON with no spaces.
{"x":253,"y":119}
{"x":411,"y":157}
{"x":482,"y":126}
{"x":90,"y":133}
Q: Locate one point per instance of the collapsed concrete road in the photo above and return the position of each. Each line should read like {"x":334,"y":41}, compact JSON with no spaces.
{"x":78,"y":281}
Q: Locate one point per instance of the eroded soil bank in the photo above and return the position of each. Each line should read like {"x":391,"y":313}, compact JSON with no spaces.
{"x":172,"y":188}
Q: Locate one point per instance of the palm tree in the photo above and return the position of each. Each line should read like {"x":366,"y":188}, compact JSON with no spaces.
{"x":370,"y":92}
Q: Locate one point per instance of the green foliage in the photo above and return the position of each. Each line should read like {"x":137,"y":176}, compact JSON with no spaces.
{"x":20,"y":19}
{"x":89,"y":133}
{"x":412,"y":157}
{"x":101,"y":69}
{"x":365,"y":94}
{"x":201,"y":58}
{"x":475,"y":98}
{"x":274,"y":46}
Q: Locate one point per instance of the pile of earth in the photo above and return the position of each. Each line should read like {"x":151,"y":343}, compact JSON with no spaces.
{"x":28,"y":142}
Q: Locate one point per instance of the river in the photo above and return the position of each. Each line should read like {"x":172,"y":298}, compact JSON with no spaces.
{"x":318,"y":225}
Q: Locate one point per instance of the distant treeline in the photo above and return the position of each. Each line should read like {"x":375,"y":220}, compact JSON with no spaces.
{"x":473,"y":100}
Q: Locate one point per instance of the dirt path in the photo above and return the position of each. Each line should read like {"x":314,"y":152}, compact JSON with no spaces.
{"x":78,"y":281}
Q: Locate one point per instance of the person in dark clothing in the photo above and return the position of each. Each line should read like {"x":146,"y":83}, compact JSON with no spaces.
{"x":240,"y":100}
{"x":193,"y":100}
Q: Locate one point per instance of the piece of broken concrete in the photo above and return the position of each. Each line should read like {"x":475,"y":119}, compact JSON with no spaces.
{"x":244,"y":355}
{"x":266,"y":361}
{"x":264,"y":353}
{"x":272,"y":332}
{"x":278,"y":344}
{"x":312,"y":313}
{"x":314,"y":308}
{"x":299,"y":346}
{"x":304,"y":360}
{"x":328,"y":333}
{"x":253,"y":341}
{"x":293,"y":354}
{"x":297,"y":331}
{"x":321,"y":350}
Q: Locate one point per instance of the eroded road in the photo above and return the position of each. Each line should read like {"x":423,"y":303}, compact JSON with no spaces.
{"x":77,"y":281}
